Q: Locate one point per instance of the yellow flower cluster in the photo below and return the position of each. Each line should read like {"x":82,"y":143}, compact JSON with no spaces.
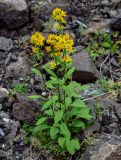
{"x":48,"y":48}
{"x":34,"y":49}
{"x":61,"y":42}
{"x":56,"y":54}
{"x":53,"y":64}
{"x":59,"y":15}
{"x":37,"y":39}
{"x":66,"y":59}
{"x":58,"y":26}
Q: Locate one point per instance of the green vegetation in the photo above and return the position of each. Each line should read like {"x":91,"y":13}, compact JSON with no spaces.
{"x":19,"y":88}
{"x":102,"y":43}
{"x":109,"y":85}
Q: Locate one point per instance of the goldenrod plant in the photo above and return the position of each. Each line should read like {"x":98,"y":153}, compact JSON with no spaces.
{"x":64,"y":113}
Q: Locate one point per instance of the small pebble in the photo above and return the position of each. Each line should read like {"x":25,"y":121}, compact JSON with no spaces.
{"x":6,"y":120}
{"x":1,"y":132}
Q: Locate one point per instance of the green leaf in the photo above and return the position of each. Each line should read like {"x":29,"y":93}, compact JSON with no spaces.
{"x":68,"y":101}
{"x":61,"y":141}
{"x":65,"y":131}
{"x":51,"y":101}
{"x":34,"y":97}
{"x":41,"y":120}
{"x":49,"y":112}
{"x":76,"y":143}
{"x":50,"y":72}
{"x":74,"y":84}
{"x":74,"y":111}
{"x":78,"y":124}
{"x":36,"y":71}
{"x":70,"y":92}
{"x":78,"y":104}
{"x":49,"y":85}
{"x":84,"y":113}
{"x":58,"y":116}
{"x":53,"y":132}
{"x":70,"y":147}
{"x":40,"y":128}
{"x":69,"y":72}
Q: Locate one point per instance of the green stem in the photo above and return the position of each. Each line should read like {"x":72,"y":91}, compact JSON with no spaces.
{"x":59,"y":93}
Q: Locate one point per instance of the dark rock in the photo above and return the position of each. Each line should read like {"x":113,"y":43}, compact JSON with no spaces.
{"x":115,"y":23}
{"x":21,"y":68}
{"x":5,"y":44}
{"x":104,"y":148}
{"x":85,"y":71}
{"x":25,"y":111}
{"x":105,"y":120}
{"x":13,"y":13}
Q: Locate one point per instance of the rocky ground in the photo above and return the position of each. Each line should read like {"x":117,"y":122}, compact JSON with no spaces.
{"x":18,"y":20}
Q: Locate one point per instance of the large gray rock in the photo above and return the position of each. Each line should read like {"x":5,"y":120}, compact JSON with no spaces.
{"x":104,"y":148}
{"x":21,"y":68}
{"x":116,"y":22}
{"x":85,"y":71}
{"x":13,"y":13}
{"x":5,"y":44}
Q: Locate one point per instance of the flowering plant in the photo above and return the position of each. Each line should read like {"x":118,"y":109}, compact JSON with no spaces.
{"x":64,"y":113}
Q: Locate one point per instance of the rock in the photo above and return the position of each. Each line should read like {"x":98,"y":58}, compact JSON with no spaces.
{"x":11,"y":136}
{"x":85,"y":71}
{"x":5,"y":44}
{"x":104,"y":148}
{"x":25,"y":111}
{"x":94,"y":26}
{"x":1,"y":106}
{"x":13,"y":13}
{"x":5,"y":120}
{"x":115,"y":23}
{"x":117,"y":110}
{"x":21,"y":68}
{"x":3,"y":93}
{"x":1,"y":132}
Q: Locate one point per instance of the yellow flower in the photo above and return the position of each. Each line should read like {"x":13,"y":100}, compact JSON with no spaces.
{"x":53,"y":65}
{"x":66,"y":58}
{"x":57,"y":26}
{"x":56,"y":54}
{"x":61,"y":42}
{"x":37,"y":39}
{"x":52,"y":38}
{"x":48,"y":48}
{"x":59,"y":15}
{"x":34,"y":49}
